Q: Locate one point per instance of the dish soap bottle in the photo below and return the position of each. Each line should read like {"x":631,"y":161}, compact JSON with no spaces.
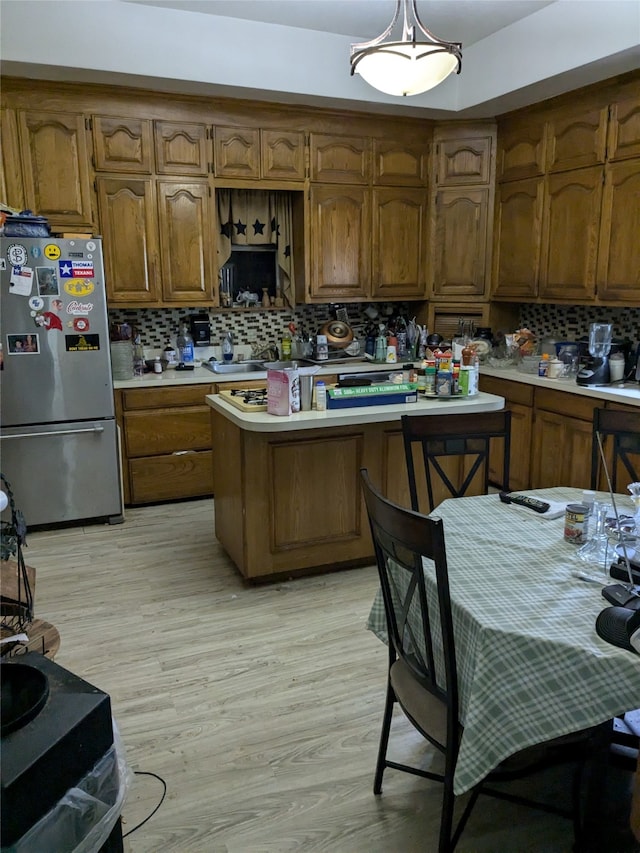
{"x":185,"y":345}
{"x":227,"y":346}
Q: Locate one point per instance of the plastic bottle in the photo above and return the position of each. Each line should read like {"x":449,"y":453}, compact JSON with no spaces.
{"x":138,"y":357}
{"x":185,"y":345}
{"x":286,"y":345}
{"x":157,"y":366}
{"x":226,"y":345}
{"x":321,"y":396}
{"x":543,"y":366}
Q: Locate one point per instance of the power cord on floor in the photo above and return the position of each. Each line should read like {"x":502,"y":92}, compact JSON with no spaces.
{"x":164,"y":793}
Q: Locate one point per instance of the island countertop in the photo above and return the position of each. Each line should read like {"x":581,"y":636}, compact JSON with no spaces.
{"x":264,"y":422}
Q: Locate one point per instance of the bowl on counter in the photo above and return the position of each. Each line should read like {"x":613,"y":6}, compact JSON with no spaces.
{"x":529,"y":364}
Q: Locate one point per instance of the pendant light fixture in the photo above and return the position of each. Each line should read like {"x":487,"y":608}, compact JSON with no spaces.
{"x":406,"y":66}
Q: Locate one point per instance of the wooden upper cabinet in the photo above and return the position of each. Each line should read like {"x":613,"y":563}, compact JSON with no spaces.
{"x":128,"y":223}
{"x":516,"y":238}
{"x":282,"y":155}
{"x":122,"y":145}
{"x":577,"y":140}
{"x":237,"y":152}
{"x":182,"y":148}
{"x":399,"y":243}
{"x":340,"y":159}
{"x":619,"y":250}
{"x":11,"y":186}
{"x":459,"y":251}
{"x":340,"y":243}
{"x":624,"y":129}
{"x":186,"y":241}
{"x":399,"y":164}
{"x":570,"y":224}
{"x":521,"y":150}
{"x":55,"y":166}
{"x":463,"y":161}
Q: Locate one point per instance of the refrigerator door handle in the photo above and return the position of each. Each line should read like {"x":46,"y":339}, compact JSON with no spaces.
{"x":53,"y":432}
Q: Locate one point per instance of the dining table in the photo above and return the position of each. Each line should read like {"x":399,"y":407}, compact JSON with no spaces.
{"x":531,"y":666}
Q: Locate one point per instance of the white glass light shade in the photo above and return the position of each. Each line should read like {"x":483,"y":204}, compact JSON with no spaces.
{"x":405,"y":68}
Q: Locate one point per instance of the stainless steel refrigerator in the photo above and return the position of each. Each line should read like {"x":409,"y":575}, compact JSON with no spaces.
{"x":58,"y":435}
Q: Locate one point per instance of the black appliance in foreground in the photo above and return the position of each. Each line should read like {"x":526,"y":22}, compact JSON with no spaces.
{"x":56,"y":728}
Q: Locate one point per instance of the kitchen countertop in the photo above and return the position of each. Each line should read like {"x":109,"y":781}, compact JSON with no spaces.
{"x":629,"y":394}
{"x":263,"y":422}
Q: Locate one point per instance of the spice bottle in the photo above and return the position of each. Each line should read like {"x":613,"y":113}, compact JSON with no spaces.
{"x":321,"y":396}
{"x":543,"y":366}
{"x":157,"y":365}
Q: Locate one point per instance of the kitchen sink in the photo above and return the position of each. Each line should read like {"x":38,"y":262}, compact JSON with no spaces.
{"x":235,"y":367}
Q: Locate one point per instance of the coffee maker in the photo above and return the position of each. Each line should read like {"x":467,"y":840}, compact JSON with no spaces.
{"x":596,"y":371}
{"x":200,"y":330}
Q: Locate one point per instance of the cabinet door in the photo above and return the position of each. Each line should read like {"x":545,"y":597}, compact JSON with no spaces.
{"x":340,"y":242}
{"x":399,"y":244}
{"x":122,"y":145}
{"x":577,"y":140}
{"x":237,"y":152}
{"x":340,"y":159}
{"x":282,"y":155}
{"x":464,"y":161}
{"x":181,"y":149}
{"x":517,"y":233}
{"x":186,"y":241}
{"x":521,"y":150}
{"x":561,"y":451}
{"x":570,"y":226}
{"x":460,"y":243}
{"x":11,"y":186}
{"x":624,"y":130}
{"x":619,"y":252}
{"x":128,"y":223}
{"x":399,"y":164}
{"x":55,"y":165}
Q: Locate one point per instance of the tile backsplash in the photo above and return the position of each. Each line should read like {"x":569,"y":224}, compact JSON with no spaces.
{"x":159,"y":326}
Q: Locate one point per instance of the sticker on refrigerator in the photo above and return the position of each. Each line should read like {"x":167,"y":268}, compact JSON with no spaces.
{"x":75,"y":307}
{"x":48,"y":320}
{"x":81,"y":324}
{"x":76,"y":269}
{"x":79,"y":287}
{"x":35,"y":251}
{"x":17,"y":255}
{"x":82,"y":343}
{"x":52,"y":252}
{"x":21,"y":281}
{"x":47,"y":281}
{"x":91,"y":246}
{"x":23,"y":344}
{"x":76,"y":254}
{"x":3,"y":264}
{"x":36,"y":303}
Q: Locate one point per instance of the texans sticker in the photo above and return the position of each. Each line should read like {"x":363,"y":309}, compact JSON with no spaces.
{"x":76,"y":269}
{"x":81,"y":324}
{"x":78,"y":287}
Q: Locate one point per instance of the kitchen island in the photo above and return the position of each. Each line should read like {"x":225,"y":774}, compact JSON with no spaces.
{"x":287,"y":489}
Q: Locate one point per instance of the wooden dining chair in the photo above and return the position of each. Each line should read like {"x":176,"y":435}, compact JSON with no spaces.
{"x":620,"y":435}
{"x":437,"y":439}
{"x":422,"y":668}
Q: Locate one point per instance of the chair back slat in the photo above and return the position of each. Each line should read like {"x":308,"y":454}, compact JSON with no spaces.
{"x":402,"y":538}
{"x":441,"y":438}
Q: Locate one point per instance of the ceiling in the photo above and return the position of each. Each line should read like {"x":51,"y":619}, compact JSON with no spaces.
{"x":515,"y":52}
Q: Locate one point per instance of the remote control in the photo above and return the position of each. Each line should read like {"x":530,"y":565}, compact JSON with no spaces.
{"x":524,"y":500}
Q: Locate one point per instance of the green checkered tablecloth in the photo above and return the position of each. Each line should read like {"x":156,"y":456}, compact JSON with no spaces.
{"x":530,"y":664}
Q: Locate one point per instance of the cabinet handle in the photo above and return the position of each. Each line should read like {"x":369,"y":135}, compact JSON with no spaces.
{"x":182,"y":452}
{"x":55,"y":432}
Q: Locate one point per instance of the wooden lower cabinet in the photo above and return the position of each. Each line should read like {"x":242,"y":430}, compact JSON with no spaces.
{"x":166,"y":443}
{"x":519,"y":401}
{"x":561,"y":445}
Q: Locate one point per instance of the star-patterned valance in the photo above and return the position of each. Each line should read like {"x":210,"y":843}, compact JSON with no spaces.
{"x":257,"y":218}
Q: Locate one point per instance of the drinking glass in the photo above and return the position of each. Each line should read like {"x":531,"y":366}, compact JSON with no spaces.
{"x":597,"y":551}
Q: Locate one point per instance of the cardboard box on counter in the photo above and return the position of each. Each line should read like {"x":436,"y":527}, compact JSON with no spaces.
{"x":387,"y":394}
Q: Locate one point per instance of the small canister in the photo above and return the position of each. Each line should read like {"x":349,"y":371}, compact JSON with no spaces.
{"x":574,"y":523}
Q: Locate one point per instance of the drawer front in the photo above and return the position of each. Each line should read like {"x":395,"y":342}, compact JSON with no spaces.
{"x":167,"y":431}
{"x":155,"y":398}
{"x":572,"y":405}
{"x":162,"y":478}
{"x":513,"y":392}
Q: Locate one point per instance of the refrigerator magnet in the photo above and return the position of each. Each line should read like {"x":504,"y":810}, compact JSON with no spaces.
{"x":76,"y":307}
{"x":17,"y":255}
{"x":82,"y":343}
{"x":36,"y":303}
{"x":23,"y":344}
{"x":47,"y":281}
{"x":52,"y":252}
{"x":48,"y":320}
{"x":21,"y":281}
{"x":78,"y":287}
{"x":81,"y":324}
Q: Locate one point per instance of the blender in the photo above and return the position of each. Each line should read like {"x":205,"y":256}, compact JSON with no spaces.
{"x":596,"y":369}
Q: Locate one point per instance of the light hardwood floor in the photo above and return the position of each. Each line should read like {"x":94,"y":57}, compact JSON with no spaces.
{"x":259,"y":706}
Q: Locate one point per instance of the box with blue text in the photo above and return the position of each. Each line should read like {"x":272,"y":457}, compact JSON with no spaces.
{"x":383,"y":394}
